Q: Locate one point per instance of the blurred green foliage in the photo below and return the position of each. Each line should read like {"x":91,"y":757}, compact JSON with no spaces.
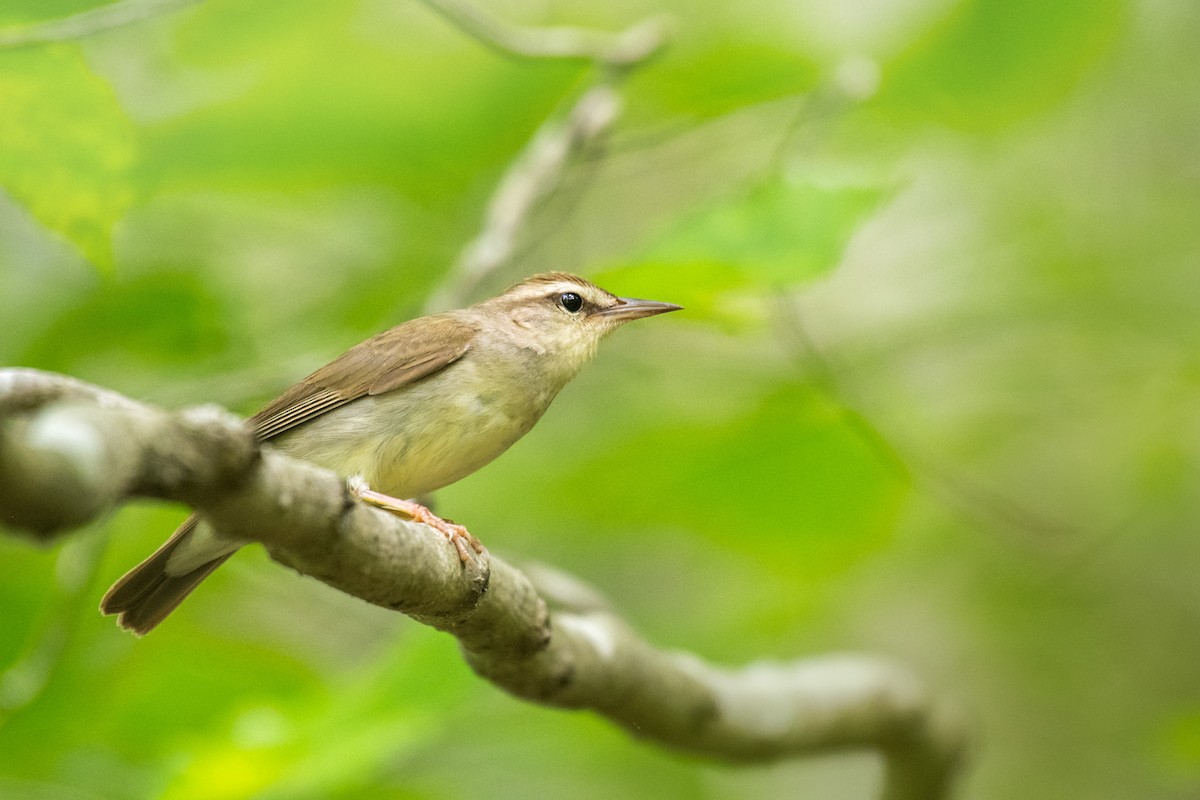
{"x":989,"y":65}
{"x":933,"y":398}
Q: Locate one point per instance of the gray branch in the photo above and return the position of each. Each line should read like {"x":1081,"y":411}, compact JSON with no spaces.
{"x":70,"y":451}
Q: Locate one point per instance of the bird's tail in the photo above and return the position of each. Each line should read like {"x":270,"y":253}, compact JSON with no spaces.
{"x":146,"y":594}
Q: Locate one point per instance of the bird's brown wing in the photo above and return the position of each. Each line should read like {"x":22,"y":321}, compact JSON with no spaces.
{"x":388,"y":361}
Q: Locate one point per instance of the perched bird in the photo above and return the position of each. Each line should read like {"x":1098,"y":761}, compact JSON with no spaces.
{"x":406,"y":412}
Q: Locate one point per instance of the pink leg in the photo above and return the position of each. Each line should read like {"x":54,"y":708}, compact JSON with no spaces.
{"x":456,"y":534}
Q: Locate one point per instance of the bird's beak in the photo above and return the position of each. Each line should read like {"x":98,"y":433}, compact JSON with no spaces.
{"x":628,"y":308}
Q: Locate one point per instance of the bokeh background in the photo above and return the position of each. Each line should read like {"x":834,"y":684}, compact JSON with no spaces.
{"x":934,"y":397}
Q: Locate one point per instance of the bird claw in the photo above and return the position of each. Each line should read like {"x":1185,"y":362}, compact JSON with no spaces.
{"x":456,"y":534}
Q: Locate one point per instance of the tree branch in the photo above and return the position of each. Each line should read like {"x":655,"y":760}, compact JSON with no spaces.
{"x":69,"y":451}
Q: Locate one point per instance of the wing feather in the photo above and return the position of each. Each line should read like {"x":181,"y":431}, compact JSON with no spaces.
{"x":386,"y":362}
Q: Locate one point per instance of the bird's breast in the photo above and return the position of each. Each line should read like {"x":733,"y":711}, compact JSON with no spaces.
{"x":424,"y":436}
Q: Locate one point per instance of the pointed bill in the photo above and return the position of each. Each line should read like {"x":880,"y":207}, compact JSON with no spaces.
{"x":631,"y":308}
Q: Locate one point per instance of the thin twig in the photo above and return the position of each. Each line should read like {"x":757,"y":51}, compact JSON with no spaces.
{"x":533,"y":176}
{"x":627,"y":48}
{"x":86,"y":23}
{"x":977,"y":501}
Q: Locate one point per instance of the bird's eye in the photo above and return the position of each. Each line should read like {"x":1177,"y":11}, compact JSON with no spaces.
{"x":570,"y":301}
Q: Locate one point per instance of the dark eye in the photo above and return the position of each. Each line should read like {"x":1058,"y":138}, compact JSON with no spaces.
{"x":570,"y":301}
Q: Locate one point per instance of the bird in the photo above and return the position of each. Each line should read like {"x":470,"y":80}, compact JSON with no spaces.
{"x":408,"y":411}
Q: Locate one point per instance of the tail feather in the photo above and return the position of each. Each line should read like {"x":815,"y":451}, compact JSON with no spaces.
{"x":145,"y":595}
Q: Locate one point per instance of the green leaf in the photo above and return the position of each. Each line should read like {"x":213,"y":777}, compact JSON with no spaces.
{"x":714,"y":291}
{"x":66,"y":148}
{"x":777,"y":234}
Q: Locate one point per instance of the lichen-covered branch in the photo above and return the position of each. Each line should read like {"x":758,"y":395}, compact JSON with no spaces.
{"x":70,"y":451}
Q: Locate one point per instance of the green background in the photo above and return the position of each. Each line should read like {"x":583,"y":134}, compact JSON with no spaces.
{"x":934,"y":397}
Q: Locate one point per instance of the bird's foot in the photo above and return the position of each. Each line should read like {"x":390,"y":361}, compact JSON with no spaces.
{"x":456,"y":534}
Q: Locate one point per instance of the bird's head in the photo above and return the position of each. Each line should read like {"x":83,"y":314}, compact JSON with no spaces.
{"x":564,"y":316}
